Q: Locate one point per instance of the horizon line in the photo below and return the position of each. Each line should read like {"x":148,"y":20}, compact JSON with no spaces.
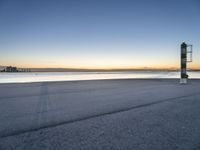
{"x":62,"y":69}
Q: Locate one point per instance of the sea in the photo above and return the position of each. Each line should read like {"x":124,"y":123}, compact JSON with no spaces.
{"x":23,"y":77}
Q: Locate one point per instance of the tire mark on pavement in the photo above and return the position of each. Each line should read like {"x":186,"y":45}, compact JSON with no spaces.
{"x":44,"y":104}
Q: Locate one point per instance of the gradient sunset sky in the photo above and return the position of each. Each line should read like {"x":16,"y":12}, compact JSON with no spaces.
{"x":100,"y":34}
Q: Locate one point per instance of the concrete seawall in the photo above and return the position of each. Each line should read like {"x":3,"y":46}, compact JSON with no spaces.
{"x":102,"y":114}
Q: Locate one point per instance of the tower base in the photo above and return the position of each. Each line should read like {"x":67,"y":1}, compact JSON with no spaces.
{"x":183,"y":81}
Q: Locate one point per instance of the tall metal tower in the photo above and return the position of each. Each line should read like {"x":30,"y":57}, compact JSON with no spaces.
{"x":184,"y":61}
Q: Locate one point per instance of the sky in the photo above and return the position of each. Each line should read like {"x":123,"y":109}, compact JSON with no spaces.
{"x":98,"y":34}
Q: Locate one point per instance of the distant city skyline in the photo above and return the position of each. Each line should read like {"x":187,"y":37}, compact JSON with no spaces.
{"x":98,"y":34}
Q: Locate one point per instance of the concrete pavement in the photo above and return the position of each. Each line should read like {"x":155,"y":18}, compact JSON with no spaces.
{"x":102,"y":114}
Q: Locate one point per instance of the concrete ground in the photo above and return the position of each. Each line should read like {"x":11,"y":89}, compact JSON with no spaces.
{"x":140,"y":114}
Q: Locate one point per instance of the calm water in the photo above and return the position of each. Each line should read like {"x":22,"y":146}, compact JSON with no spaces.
{"x":69,"y":76}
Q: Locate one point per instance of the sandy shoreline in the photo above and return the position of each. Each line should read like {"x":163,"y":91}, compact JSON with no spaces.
{"x":93,"y":114}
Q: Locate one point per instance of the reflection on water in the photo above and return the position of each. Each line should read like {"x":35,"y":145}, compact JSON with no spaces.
{"x":69,"y":76}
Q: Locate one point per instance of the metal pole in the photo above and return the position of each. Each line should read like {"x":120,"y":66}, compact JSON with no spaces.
{"x":184,"y":76}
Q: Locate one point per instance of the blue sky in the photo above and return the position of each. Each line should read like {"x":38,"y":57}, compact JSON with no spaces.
{"x":98,"y":33}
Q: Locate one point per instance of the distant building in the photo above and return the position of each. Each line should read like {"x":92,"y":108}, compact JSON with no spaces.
{"x":14,"y":69}
{"x":10,"y":69}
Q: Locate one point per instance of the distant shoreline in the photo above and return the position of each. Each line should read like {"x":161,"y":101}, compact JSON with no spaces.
{"x":92,"y":70}
{"x":99,"y":70}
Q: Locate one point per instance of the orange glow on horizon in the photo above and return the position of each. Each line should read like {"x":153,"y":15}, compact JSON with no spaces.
{"x":108,"y":67}
{"x":98,"y":63}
